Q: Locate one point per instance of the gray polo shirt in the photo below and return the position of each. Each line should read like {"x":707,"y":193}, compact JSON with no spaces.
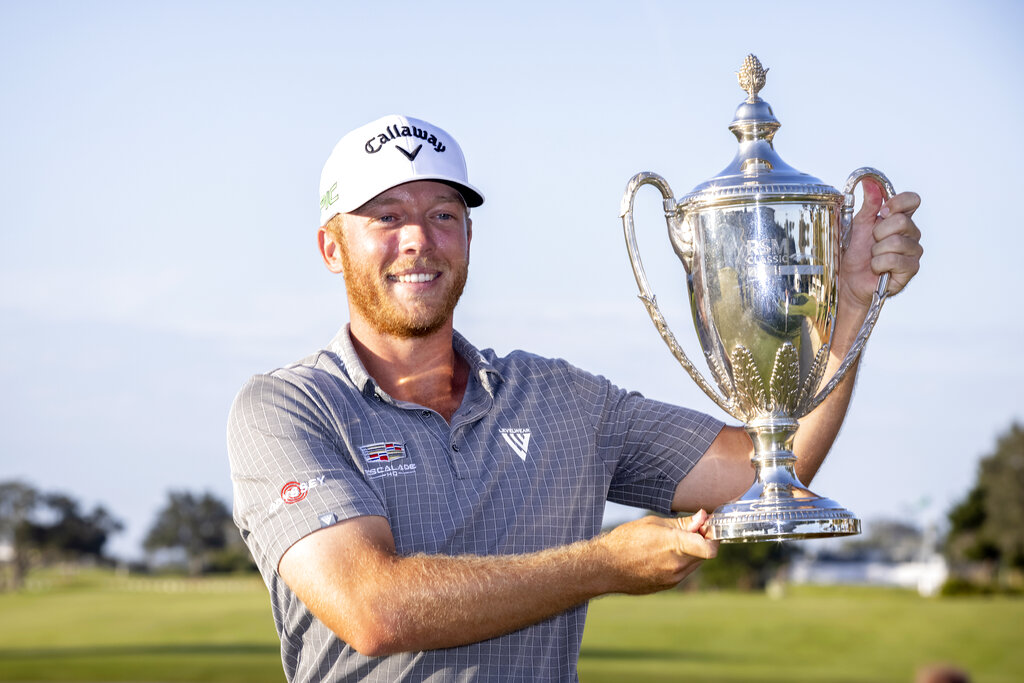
{"x":527,"y":463}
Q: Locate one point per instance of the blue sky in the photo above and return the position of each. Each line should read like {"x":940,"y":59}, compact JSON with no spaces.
{"x":158,"y":207}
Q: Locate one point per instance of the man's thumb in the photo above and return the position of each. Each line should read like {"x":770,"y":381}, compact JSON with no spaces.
{"x":873,"y":197}
{"x":694,"y":522}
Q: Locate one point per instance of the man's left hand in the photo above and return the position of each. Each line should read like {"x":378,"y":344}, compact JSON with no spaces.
{"x":884,"y":239}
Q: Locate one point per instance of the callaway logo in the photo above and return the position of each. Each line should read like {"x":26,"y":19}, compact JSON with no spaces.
{"x":376,"y":144}
{"x":518,"y":439}
{"x":411,"y":156}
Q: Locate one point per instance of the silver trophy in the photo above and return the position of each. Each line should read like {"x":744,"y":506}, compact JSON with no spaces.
{"x":761,"y":244}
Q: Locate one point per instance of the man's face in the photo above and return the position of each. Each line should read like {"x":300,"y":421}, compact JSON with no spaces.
{"x":405,"y":256}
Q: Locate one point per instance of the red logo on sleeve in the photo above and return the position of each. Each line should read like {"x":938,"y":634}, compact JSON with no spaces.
{"x":293,"y":492}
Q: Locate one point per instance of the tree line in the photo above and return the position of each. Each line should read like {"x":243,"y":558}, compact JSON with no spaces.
{"x":39,"y":529}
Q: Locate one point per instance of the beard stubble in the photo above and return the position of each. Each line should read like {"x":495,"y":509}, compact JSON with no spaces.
{"x":367,"y":293}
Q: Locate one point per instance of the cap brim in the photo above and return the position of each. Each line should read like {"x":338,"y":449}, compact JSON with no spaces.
{"x":472,"y":196}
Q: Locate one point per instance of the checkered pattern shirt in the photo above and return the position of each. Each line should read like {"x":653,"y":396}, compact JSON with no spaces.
{"x":527,"y":463}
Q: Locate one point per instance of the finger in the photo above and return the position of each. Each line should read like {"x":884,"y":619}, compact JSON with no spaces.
{"x":898,"y":243}
{"x":873,"y":198}
{"x":901,"y":269}
{"x":690,"y":541}
{"x":693,"y":523}
{"x":896,"y":225}
{"x":904,"y":202}
{"x":695,"y":545}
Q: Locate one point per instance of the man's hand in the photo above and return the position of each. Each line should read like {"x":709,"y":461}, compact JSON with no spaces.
{"x":884,"y":239}
{"x":652,"y":554}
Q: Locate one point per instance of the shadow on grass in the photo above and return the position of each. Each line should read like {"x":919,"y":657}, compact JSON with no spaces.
{"x":647,"y":654}
{"x":110,"y":651}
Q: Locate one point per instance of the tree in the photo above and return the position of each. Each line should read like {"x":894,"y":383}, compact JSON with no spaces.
{"x":42,"y":527}
{"x":197,"y":525}
{"x":71,"y":535}
{"x":17,"y":501}
{"x":988,"y":525}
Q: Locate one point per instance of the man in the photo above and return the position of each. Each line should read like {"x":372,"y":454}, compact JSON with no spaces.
{"x":421,"y":509}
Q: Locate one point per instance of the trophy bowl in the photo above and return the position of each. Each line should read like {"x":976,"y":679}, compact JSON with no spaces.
{"x":761,"y":244}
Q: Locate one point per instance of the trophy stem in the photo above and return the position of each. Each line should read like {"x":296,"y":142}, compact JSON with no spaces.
{"x":778,"y":506}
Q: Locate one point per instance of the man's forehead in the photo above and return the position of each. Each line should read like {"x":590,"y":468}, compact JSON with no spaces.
{"x":431,"y":190}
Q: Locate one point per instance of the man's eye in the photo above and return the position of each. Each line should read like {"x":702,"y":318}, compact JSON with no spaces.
{"x":387,"y":219}
{"x":445,"y":216}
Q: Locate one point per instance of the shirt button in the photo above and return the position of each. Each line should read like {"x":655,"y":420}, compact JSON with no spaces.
{"x":425,"y":413}
{"x":455,"y":447}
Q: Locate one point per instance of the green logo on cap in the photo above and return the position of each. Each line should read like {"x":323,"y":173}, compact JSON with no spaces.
{"x":329,"y":197}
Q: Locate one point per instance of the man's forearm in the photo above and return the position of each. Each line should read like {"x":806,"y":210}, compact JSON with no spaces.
{"x":819,"y":429}
{"x":380,"y":602}
{"x":424,"y":602}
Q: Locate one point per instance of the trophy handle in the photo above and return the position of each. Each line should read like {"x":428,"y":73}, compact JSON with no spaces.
{"x":646,"y":293}
{"x":880,"y":294}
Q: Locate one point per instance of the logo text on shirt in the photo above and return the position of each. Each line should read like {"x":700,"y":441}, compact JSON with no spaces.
{"x":518,"y":439}
{"x":294,"y":491}
{"x":384,"y":455}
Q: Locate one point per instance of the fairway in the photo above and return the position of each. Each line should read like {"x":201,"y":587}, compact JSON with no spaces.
{"x":95,"y":627}
{"x":848,"y":634}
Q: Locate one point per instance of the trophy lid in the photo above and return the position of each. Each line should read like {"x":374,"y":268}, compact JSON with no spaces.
{"x":757,"y":171}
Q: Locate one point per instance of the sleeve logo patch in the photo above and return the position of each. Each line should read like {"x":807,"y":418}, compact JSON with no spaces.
{"x":295,"y":491}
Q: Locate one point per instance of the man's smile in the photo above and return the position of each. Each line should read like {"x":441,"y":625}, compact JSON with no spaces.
{"x":414,"y":277}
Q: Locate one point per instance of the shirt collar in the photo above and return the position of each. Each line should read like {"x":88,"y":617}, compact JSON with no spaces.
{"x":479,"y":367}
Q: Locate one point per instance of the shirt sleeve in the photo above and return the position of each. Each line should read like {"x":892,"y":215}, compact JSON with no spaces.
{"x":290,"y":473}
{"x":651,"y":445}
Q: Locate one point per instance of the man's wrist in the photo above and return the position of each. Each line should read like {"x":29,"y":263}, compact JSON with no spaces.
{"x":850,"y":316}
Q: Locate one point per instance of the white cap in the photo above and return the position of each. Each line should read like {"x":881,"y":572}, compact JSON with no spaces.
{"x":387,"y":152}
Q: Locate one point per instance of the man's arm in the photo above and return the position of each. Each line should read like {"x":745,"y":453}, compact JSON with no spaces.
{"x":379,"y":602}
{"x":884,"y":239}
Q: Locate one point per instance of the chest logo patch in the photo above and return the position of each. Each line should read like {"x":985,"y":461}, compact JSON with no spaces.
{"x":382,"y":457}
{"x":383,"y":452}
{"x":518,"y":439}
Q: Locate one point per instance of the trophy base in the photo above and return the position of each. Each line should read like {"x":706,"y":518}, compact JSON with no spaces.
{"x":786,"y":519}
{"x":778,"y":507}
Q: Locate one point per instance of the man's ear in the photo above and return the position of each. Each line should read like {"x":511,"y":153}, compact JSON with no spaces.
{"x":469,"y":232}
{"x":330,"y":250}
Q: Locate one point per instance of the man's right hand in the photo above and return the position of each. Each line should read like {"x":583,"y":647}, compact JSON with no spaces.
{"x":654,"y":553}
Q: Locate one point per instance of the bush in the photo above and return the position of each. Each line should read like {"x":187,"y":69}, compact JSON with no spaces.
{"x":230,"y":561}
{"x":960,"y":586}
{"x":744,"y":566}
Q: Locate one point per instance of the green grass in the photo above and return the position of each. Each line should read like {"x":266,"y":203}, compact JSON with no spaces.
{"x":96,"y":627}
{"x":847,"y":634}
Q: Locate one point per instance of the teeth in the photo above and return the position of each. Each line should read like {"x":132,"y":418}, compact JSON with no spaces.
{"x":416,"y":277}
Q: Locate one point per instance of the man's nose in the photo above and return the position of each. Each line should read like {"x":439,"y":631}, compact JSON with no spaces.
{"x":416,"y":237}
